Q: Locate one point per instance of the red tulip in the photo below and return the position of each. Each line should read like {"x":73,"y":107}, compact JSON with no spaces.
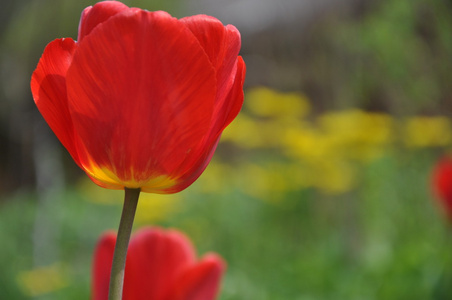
{"x":141,"y":99}
{"x":442,"y":184}
{"x":160,"y":265}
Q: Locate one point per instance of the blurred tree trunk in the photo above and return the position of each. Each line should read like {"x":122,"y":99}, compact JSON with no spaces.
{"x":50,"y":184}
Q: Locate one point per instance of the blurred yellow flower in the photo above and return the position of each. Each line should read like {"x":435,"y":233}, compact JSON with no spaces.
{"x":308,"y":143}
{"x":251,"y":133}
{"x":350,"y":134}
{"x":244,"y":131}
{"x":333,"y":176}
{"x":266,"y":182}
{"x":153,"y":208}
{"x":359,"y":135}
{"x":265,"y":102}
{"x":427,"y":132}
{"x":271,"y":181}
{"x":321,"y":151}
{"x":267,"y":115}
{"x":43,"y":280}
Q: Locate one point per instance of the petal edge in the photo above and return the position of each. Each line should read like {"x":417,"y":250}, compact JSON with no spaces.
{"x":48,"y":87}
{"x":99,"y":13}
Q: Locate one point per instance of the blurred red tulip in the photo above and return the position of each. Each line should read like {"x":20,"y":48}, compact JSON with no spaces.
{"x":442,"y":184}
{"x":141,"y":99}
{"x":160,"y":265}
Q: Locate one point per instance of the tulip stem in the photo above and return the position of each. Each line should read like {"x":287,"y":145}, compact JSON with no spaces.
{"x":122,"y":243}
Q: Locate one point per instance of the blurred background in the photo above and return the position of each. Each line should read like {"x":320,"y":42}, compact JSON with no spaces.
{"x":320,"y":189}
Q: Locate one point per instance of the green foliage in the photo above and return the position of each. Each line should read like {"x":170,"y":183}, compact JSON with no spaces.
{"x":400,"y":54}
{"x":383,"y":240}
{"x":386,"y":55}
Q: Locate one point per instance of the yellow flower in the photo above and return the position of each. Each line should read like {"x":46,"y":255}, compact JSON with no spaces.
{"x":426,"y":132}
{"x":360,"y":135}
{"x":335,"y":176}
{"x":264,"y":102}
{"x":43,"y":280}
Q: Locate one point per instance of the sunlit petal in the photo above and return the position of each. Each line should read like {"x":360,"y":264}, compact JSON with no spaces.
{"x":97,"y":14}
{"x":48,"y":86}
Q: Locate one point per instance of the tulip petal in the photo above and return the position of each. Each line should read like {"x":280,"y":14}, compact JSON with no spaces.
{"x":442,"y":184}
{"x":222,"y":45}
{"x":201,"y":281}
{"x":193,"y":171}
{"x":155,"y":259}
{"x":223,"y":116}
{"x":103,"y":257}
{"x":48,"y":86}
{"x":226,"y":111}
{"x":141,"y":93}
{"x":97,"y":14}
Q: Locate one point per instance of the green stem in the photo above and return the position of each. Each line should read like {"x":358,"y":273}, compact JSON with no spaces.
{"x":122,"y":243}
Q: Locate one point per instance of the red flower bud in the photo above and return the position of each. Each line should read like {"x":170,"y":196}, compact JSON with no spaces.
{"x":442,"y":184}
{"x":160,"y":265}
